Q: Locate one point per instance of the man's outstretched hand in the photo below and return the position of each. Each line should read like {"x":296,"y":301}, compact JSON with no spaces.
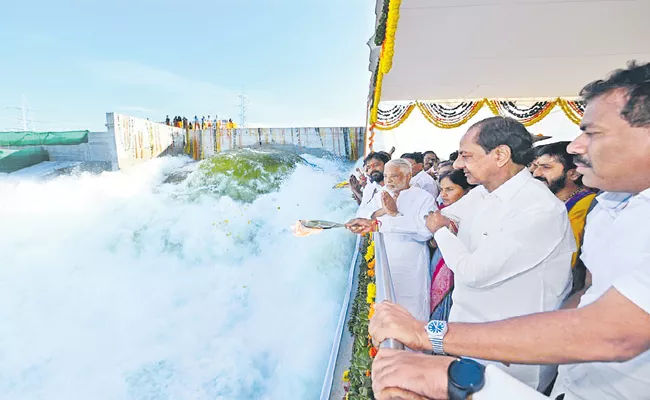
{"x":360,"y":226}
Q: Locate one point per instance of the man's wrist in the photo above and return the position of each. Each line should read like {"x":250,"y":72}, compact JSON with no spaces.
{"x":378,"y":213}
{"x":423,"y":338}
{"x":437,"y":380}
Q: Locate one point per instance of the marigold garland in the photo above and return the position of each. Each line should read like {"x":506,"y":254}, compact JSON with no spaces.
{"x":389,"y":43}
{"x":574,"y":110}
{"x":372,"y":293}
{"x":394,"y":117}
{"x":528,"y":116}
{"x":357,"y":381}
{"x":370,"y":253}
{"x":446,"y":117}
{"x":433,"y":114}
{"x":384,"y":65}
{"x":372,"y":353}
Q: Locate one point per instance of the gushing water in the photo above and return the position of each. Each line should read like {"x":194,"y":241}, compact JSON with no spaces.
{"x":148,"y":284}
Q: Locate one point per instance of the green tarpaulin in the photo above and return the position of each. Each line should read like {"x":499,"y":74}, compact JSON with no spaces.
{"x":13,"y":160}
{"x":43,"y":138}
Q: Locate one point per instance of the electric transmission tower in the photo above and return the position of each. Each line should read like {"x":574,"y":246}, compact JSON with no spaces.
{"x":26,"y":119}
{"x":243,"y":107}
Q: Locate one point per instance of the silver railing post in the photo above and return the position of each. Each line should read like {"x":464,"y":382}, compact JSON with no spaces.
{"x":384,"y":283}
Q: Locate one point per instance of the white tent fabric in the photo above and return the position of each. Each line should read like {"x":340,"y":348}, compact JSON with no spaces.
{"x":455,"y":50}
{"x":471,"y":49}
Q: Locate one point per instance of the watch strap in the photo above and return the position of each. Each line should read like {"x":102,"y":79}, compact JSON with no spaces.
{"x":456,"y":393}
{"x":436,"y":344}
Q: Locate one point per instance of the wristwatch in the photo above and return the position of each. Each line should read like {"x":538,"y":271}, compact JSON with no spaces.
{"x":465,"y":377}
{"x":436,"y":331}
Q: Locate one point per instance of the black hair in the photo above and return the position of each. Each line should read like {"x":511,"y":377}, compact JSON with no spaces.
{"x":387,"y":154}
{"x":453,"y":156}
{"x":635,"y":79}
{"x":379,"y":156}
{"x":559,"y":151}
{"x":458,"y":177}
{"x":417,"y":157}
{"x":447,"y":163}
{"x":430,"y":152}
{"x":504,"y":131}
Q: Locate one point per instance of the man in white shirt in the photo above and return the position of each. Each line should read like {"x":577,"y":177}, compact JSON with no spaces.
{"x":605,"y":342}
{"x":374,"y":164}
{"x":512,"y":255}
{"x":420,"y":177}
{"x":400,"y":211}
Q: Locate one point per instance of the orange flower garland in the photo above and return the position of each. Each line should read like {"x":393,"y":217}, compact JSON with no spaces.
{"x":572,"y":109}
{"x":357,"y":379}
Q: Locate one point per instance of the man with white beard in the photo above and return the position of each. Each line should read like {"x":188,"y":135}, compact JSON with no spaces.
{"x":400,"y":213}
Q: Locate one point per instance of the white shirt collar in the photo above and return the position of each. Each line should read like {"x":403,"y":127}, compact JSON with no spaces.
{"x":510,"y":187}
{"x":616,"y":201}
{"x":419,"y":174}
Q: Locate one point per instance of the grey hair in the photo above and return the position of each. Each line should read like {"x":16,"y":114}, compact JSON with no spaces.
{"x":401,"y":164}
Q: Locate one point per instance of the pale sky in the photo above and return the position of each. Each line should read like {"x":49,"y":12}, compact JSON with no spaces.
{"x":299,"y":62}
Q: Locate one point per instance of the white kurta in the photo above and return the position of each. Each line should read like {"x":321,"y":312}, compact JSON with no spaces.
{"x":512,"y":257}
{"x":426,"y":182}
{"x":406,"y":239}
{"x":370,"y":191}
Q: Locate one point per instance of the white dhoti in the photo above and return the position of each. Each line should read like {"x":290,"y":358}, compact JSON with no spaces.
{"x":408,"y":262}
{"x":406,"y":237}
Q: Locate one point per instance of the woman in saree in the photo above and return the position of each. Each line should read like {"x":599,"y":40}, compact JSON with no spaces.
{"x":453,"y":186}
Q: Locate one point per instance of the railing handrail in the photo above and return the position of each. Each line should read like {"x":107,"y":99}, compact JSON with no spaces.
{"x":326,"y":389}
{"x":384,"y":283}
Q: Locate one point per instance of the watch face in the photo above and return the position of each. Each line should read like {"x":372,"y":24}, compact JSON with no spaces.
{"x":467,"y":373}
{"x":437,"y":327}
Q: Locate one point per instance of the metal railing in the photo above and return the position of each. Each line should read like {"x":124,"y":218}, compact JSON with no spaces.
{"x":326,"y":389}
{"x":385,"y":290}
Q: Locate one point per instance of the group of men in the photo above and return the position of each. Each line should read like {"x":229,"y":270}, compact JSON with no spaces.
{"x":198,"y":124}
{"x":518,"y":248}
